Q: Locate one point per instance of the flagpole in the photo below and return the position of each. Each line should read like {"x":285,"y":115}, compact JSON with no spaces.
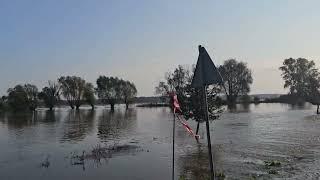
{"x":205,"y":105}
{"x":173,"y":137}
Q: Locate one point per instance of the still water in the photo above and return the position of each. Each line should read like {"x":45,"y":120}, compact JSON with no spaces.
{"x":43,"y":145}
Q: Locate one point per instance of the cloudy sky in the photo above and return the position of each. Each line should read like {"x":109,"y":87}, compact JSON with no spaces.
{"x":140,"y":40}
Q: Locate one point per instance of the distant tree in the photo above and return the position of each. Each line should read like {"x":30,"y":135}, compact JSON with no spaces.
{"x":109,"y":90}
{"x":162,"y":90}
{"x":17,"y":98}
{"x":3,"y":103}
{"x":300,"y":76}
{"x":237,"y":77}
{"x":303,"y":80}
{"x":32,"y":96}
{"x":50,"y":94}
{"x":73,"y":89}
{"x":89,"y":95}
{"x":256,"y":100}
{"x":245,"y":99}
{"x":128,"y":92}
{"x":23,"y":97}
{"x":314,"y":96}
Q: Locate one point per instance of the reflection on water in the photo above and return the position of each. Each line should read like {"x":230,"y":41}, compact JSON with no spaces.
{"x":194,"y":165}
{"x":19,"y":121}
{"x":78,"y":124}
{"x":237,"y":108}
{"x":243,"y":138}
{"x":117,"y":123}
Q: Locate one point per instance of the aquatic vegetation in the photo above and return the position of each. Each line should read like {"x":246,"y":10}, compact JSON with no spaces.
{"x":272,"y":172}
{"x":220,"y":175}
{"x":100,"y":152}
{"x":46,"y":163}
{"x":272,"y":163}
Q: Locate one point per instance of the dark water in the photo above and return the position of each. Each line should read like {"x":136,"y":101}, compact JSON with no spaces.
{"x":43,"y":145}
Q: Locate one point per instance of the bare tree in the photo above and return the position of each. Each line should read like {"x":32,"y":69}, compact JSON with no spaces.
{"x":50,"y":94}
{"x":73,"y":89}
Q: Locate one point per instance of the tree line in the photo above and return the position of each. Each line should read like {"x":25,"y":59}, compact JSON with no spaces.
{"x":301,"y":78}
{"x":72,"y":89}
{"x":300,"y":75}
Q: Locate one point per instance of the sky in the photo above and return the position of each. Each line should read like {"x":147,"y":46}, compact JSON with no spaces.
{"x":140,"y":40}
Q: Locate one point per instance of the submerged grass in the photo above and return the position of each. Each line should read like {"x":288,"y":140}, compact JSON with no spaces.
{"x":99,"y":152}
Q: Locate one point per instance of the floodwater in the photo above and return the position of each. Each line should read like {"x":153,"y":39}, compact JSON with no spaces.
{"x":47,"y":145}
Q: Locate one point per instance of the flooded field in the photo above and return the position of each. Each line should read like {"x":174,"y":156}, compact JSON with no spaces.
{"x":265,"y":141}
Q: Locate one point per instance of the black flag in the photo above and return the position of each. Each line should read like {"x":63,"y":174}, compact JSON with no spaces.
{"x":206,"y":72}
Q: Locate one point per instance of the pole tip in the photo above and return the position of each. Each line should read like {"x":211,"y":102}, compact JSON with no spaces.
{"x":200,"y":48}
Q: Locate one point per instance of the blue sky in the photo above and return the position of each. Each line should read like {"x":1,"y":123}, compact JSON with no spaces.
{"x":41,"y":40}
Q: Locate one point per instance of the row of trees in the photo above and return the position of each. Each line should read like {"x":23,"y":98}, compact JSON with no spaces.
{"x":237,"y":78}
{"x":74,"y":90}
{"x":301,"y":77}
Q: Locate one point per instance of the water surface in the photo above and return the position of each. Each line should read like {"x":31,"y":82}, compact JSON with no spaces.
{"x":242,"y":140}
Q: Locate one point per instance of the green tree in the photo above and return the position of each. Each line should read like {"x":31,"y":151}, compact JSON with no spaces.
{"x":302,"y":79}
{"x":109,"y":90}
{"x":17,"y":98}
{"x":179,"y":81}
{"x":23,"y":97}
{"x":162,"y":90}
{"x":3,"y":103}
{"x":256,"y":100}
{"x":32,"y":96}
{"x":128,"y":92}
{"x":237,"y":77}
{"x":245,"y":99}
{"x":89,"y":95}
{"x":300,"y":76}
{"x":50,"y":94}
{"x":73,"y":89}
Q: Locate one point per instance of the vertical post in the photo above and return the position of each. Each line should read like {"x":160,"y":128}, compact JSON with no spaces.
{"x":173,"y":137}
{"x":198,"y":124}
{"x":205,"y":105}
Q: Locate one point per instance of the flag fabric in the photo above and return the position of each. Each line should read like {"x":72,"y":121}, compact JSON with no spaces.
{"x":177,"y":109}
{"x":176,"y":105}
{"x":206,"y":72}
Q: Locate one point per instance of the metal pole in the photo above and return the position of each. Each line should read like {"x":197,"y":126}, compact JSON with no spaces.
{"x":173,"y":137}
{"x":205,"y":105}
